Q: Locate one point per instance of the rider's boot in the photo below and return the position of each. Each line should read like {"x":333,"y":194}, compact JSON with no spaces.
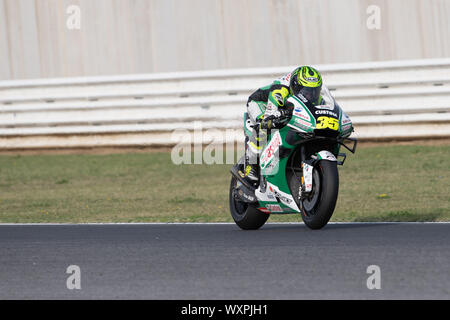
{"x":251,"y":173}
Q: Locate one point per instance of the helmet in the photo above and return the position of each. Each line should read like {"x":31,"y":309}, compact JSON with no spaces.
{"x":306,"y":82}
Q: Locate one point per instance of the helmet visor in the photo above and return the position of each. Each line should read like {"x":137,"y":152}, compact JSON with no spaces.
{"x":311,"y":94}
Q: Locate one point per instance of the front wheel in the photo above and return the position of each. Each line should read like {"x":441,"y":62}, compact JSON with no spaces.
{"x":246,"y":216}
{"x":318,"y":208}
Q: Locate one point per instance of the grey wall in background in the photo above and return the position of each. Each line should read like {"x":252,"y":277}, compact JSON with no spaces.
{"x":144,"y":36}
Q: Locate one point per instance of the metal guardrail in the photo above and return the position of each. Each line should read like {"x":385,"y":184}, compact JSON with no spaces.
{"x":393,"y":99}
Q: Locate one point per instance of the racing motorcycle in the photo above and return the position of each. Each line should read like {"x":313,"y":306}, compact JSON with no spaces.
{"x":297,"y":166}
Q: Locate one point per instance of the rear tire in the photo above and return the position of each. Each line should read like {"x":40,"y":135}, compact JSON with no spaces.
{"x":245,"y":215}
{"x":318,"y":209}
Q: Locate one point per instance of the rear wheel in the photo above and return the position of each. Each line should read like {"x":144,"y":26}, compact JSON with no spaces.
{"x":318,"y":207}
{"x":245,"y":215}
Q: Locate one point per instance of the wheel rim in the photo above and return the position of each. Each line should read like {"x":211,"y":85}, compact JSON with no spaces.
{"x":311,"y":202}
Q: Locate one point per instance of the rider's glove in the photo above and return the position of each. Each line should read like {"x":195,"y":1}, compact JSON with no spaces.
{"x":267,"y":123}
{"x":284,"y":113}
{"x":273,"y":122}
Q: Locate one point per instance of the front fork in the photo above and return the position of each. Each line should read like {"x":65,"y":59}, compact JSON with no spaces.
{"x":262,"y":180}
{"x":307,"y":165}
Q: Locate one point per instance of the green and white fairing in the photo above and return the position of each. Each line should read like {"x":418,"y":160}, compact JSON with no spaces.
{"x":277,"y":197}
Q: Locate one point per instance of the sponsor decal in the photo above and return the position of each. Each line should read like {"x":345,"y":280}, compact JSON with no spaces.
{"x":272,"y":148}
{"x":270,"y":194}
{"x":307,"y":175}
{"x":302,"y":115}
{"x":279,"y":95}
{"x":346,"y":121}
{"x":288,"y":77}
{"x":248,"y":124}
{"x":302,"y":97}
{"x":302,"y":122}
{"x":274,"y":208}
{"x":326,"y":155}
{"x":279,"y":98}
{"x":347,"y":126}
{"x":334,"y":114}
{"x":282,"y":198}
{"x":324,"y":122}
{"x":312,"y":79}
{"x":246,"y":196}
{"x":262,"y":209}
{"x":325,"y":106}
{"x":270,"y":107}
{"x":268,"y":170}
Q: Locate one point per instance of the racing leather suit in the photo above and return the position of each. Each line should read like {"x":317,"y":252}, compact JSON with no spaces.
{"x":268,"y":101}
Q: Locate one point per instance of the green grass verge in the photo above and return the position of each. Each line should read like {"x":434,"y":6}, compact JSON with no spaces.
{"x":381,"y":183}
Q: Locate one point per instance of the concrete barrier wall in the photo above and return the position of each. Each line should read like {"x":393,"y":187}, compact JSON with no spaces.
{"x":146,"y":36}
{"x":385,"y":100}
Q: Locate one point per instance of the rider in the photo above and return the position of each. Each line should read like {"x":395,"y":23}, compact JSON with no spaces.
{"x":267,"y":108}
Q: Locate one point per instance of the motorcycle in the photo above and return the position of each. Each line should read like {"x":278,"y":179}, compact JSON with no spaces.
{"x":297,"y":167}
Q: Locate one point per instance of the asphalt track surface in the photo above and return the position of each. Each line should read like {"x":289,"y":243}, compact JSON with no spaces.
{"x":220,"y":261}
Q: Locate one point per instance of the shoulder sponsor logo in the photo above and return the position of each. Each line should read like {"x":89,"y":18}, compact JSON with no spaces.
{"x":279,"y":98}
{"x":288,"y":76}
{"x":285,"y":79}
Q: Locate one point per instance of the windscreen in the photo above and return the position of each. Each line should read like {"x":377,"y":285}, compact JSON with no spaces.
{"x":327,"y":97}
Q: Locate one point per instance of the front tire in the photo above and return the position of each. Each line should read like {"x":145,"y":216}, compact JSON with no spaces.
{"x":246,"y":216}
{"x":319,"y":207}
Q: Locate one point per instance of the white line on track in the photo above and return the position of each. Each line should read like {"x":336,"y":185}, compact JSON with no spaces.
{"x":207,"y":223}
